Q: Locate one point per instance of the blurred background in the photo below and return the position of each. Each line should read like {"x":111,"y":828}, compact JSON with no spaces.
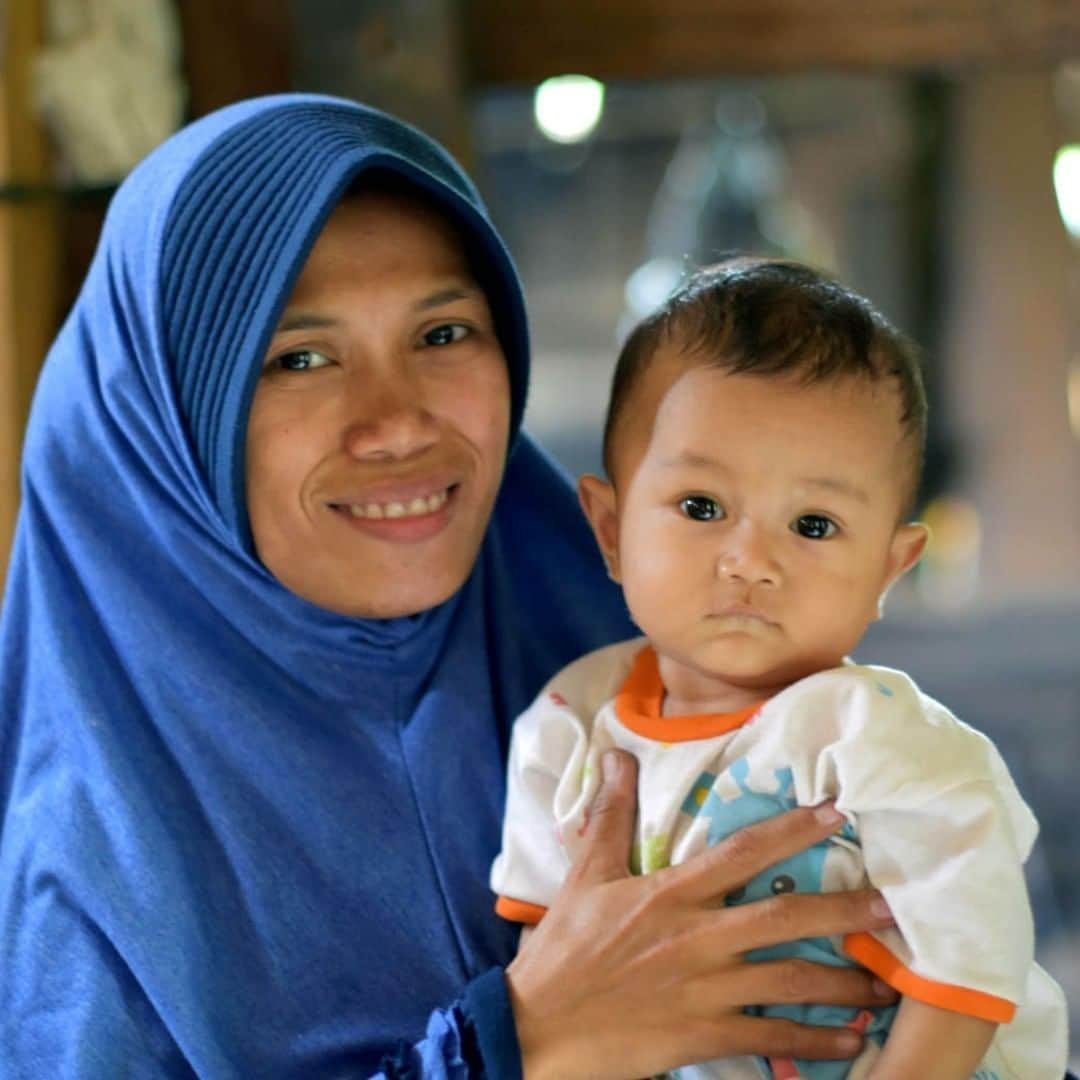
{"x":925,"y":151}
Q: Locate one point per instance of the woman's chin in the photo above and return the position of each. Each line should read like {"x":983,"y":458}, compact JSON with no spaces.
{"x":386,"y":591}
{"x":397,"y":606}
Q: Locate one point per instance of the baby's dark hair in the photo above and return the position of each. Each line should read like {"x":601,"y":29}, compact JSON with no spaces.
{"x":757,"y":315}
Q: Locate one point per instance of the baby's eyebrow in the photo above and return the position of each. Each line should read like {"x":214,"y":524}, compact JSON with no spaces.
{"x":691,"y":459}
{"x":836,"y":486}
{"x":694,"y":459}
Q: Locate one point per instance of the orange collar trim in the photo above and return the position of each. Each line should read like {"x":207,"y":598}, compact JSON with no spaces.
{"x":639,"y":700}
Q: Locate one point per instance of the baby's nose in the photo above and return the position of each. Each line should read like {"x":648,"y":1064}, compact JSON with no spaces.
{"x":747,"y":557}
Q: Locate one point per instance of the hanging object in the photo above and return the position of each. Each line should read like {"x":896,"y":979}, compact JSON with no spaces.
{"x":107,"y":84}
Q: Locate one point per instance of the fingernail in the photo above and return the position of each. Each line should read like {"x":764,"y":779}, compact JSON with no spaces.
{"x":880,"y":909}
{"x":609,"y":766}
{"x":849,"y":1042}
{"x":827,"y":814}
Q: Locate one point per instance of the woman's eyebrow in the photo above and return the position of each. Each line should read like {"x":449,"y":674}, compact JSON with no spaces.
{"x":448,"y":295}
{"x":309,"y":320}
{"x":303,"y":320}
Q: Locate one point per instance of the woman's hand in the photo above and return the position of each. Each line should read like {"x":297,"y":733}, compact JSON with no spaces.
{"x":630,"y":976}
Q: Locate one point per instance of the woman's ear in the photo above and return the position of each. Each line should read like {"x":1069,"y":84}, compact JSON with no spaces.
{"x":600,"y":504}
{"x":907,"y":547}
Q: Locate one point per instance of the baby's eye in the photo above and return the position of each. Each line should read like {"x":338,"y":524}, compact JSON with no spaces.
{"x":701,"y":508}
{"x":300,"y":360}
{"x":814,"y":526}
{"x":446,"y":335}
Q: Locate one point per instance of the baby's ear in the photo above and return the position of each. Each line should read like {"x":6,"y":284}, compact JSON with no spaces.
{"x":908,"y":544}
{"x":599,"y":502}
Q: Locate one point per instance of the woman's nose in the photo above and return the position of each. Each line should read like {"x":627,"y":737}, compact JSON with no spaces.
{"x":387,"y":418}
{"x":747,"y":557}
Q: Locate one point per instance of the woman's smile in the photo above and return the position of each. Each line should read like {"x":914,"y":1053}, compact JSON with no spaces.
{"x":414,"y":507}
{"x":404,"y":521}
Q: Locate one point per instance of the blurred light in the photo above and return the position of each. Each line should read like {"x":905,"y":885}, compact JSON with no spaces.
{"x":568,"y":107}
{"x":758,"y":172}
{"x":1067,"y":94}
{"x":1067,"y":187}
{"x":794,"y":230}
{"x":741,"y":115}
{"x":954,"y":528}
{"x":651,"y":284}
{"x":1074,"y":397}
{"x":948,"y":575}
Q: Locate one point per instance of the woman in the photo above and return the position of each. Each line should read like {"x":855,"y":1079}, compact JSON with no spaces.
{"x":284,"y":573}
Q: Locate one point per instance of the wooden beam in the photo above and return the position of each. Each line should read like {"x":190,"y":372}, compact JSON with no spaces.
{"x":10,"y":418}
{"x":407,"y":59}
{"x":529,"y":40}
{"x":236,"y":50}
{"x":30,"y":250}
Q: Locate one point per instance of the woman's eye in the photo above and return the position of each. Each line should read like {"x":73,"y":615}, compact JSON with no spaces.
{"x":300,"y":360}
{"x":701,"y":508}
{"x":814,"y":527}
{"x":446,"y":335}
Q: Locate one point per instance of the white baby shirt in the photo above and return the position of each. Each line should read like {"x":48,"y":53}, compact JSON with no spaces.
{"x":935,"y":823}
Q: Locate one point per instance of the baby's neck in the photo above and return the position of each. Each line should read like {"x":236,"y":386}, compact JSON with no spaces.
{"x":689,"y":692}
{"x":718,"y":705}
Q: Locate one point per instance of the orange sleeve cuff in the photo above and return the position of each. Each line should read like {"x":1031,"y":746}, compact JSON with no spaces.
{"x":519,"y":910}
{"x":868,"y":951}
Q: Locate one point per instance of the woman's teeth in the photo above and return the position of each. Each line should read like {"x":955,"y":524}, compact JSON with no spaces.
{"x":413,"y":508}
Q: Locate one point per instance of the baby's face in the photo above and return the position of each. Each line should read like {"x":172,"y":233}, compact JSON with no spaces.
{"x":758,"y":531}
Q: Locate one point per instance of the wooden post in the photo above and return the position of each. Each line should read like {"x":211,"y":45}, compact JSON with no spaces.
{"x":235,"y":50}
{"x":30,"y":250}
{"x":231,"y":51}
{"x":1008,"y":352}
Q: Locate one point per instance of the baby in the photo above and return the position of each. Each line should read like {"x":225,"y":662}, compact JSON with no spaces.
{"x":764,"y":445}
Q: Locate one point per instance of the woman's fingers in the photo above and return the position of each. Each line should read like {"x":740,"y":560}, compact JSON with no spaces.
{"x":630,"y":976}
{"x":746,"y":853}
{"x":789,"y":982}
{"x":605,"y":855}
{"x":774,"y":1038}
{"x":797,"y":915}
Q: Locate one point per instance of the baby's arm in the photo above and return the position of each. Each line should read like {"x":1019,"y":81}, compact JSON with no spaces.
{"x":943,"y":835}
{"x":932,"y":1044}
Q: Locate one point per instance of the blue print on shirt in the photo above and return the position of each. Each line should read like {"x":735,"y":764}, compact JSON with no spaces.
{"x":802,"y":872}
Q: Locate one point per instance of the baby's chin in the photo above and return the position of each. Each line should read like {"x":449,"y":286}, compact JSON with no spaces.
{"x":764,"y":677}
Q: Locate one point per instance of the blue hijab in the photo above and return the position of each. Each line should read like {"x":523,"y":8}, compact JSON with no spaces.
{"x":243,"y":836}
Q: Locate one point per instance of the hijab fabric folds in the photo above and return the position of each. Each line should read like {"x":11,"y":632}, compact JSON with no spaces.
{"x":243,"y":836}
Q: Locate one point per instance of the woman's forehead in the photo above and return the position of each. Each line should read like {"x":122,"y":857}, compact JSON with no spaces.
{"x":382,"y":210}
{"x":374,"y":240}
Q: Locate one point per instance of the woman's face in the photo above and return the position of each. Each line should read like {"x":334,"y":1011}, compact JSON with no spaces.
{"x":379,"y":426}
